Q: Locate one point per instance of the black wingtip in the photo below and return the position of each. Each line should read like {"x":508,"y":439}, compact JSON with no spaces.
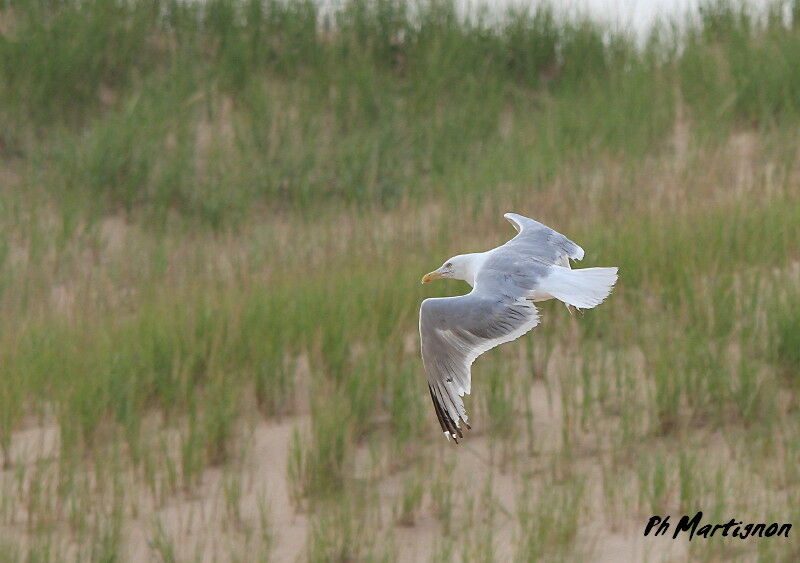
{"x":449,"y":426}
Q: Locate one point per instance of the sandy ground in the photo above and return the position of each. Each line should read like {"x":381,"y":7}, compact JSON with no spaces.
{"x":200,"y":525}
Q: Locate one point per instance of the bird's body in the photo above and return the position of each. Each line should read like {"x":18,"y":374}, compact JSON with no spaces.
{"x":454,"y":331}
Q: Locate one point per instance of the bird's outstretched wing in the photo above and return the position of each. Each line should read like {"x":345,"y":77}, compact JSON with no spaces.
{"x":456,"y":330}
{"x":541,"y":242}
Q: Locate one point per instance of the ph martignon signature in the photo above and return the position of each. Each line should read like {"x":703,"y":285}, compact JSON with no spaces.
{"x":659,"y":525}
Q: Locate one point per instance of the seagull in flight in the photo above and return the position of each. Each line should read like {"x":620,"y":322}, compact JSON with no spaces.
{"x":506,"y":281}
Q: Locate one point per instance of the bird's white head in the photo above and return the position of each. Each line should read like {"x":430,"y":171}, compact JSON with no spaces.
{"x":461,"y":267}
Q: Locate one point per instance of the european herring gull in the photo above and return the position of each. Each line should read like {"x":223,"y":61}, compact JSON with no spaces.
{"x":533,"y":266}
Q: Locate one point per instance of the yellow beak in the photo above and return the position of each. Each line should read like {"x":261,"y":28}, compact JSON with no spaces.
{"x":431,"y":276}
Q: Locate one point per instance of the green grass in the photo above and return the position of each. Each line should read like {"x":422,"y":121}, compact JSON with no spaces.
{"x":231,"y":70}
{"x":549,"y":522}
{"x":785,"y":333}
{"x":207,"y":109}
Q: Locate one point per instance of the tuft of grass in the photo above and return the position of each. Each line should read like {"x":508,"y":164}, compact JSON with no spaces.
{"x":411,"y":496}
{"x":548,"y":524}
{"x":343,"y":530}
{"x":319,"y":467}
{"x":162,"y":546}
{"x":784,"y":324}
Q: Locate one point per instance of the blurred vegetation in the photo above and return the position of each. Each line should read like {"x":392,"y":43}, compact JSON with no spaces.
{"x":217,"y":212}
{"x":209,"y":108}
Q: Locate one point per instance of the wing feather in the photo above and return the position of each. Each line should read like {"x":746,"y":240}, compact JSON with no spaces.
{"x":454,"y":331}
{"x":542,"y":242}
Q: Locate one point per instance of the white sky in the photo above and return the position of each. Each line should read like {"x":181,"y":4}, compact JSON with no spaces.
{"x":636,"y":15}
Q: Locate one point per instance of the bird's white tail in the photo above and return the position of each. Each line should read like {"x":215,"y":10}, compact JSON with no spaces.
{"x":584,"y":288}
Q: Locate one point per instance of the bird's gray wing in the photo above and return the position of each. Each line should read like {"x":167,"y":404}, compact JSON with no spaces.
{"x":456,"y":330}
{"x":542,"y":243}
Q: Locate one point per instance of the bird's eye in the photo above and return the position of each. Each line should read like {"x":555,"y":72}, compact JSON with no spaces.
{"x":448,"y":265}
